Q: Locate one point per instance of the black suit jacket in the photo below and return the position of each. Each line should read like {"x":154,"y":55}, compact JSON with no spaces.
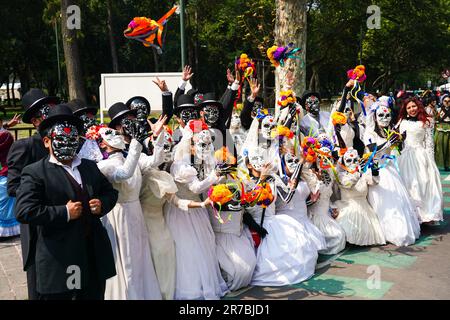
{"x":22,"y":153}
{"x":42,"y":196}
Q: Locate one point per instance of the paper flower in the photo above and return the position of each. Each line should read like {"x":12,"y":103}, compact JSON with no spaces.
{"x":286,"y":98}
{"x":310,"y":145}
{"x":338,"y":118}
{"x":246,"y":66}
{"x":282,"y":131}
{"x":93,"y":132}
{"x":220,"y":194}
{"x":197,"y":125}
{"x":279,"y":55}
{"x":359,"y":73}
{"x":261,"y":195}
{"x":223,"y":155}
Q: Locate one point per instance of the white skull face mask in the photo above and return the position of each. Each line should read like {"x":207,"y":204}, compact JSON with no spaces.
{"x":257,"y":159}
{"x":211,"y":114}
{"x":235,"y":121}
{"x":351,"y":159}
{"x":292,"y":161}
{"x":267,"y":125}
{"x":322,"y":136}
{"x":384,"y":117}
{"x":64,"y":137}
{"x":203,"y":145}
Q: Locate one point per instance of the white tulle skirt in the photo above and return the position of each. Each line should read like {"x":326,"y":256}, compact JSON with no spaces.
{"x":198,"y":275}
{"x":359,"y":222}
{"x":396,"y":213}
{"x":422,"y":180}
{"x":285,"y":256}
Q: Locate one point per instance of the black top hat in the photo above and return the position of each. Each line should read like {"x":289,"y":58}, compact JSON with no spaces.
{"x":185,"y":101}
{"x":117,"y":112}
{"x":78,"y":106}
{"x":308,"y":94}
{"x":192,"y":92}
{"x":210,"y":99}
{"x":58,"y":114}
{"x":33,"y":100}
{"x":138,"y":99}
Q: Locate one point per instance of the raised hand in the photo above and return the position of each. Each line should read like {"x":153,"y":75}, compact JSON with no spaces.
{"x":254,"y":87}
{"x":230,"y":77}
{"x":158,"y":126}
{"x":187,"y":73}
{"x":161,"y":84}
{"x":14,"y":121}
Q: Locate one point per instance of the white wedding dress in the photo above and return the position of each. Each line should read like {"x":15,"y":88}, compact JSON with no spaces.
{"x":125,"y":224}
{"x":419,"y":171}
{"x":198,"y":275}
{"x":235,"y":250}
{"x":284,"y":256}
{"x":356,"y":216}
{"x":391,"y":201}
{"x":320,"y":215}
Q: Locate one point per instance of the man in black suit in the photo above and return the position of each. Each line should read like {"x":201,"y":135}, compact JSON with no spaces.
{"x":22,"y":153}
{"x":64,"y":197}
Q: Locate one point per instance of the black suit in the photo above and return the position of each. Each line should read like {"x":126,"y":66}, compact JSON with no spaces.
{"x":22,"y":153}
{"x":42,"y":196}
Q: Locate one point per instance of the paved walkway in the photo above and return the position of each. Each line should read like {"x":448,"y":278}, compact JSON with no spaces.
{"x":420,"y":271}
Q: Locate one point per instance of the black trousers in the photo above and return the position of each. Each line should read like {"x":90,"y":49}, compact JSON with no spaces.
{"x":31,"y":283}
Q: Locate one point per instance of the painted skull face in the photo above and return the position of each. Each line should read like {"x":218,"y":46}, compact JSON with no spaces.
{"x":127,"y":126}
{"x":326,"y":177}
{"x":167,"y":147}
{"x":313,"y":105}
{"x":267,"y":125}
{"x":203,"y":144}
{"x":64,"y":137}
{"x":347,"y":109}
{"x":384,"y":117}
{"x":351,"y":159}
{"x":211,"y":114}
{"x":322,"y":137}
{"x":43,"y":111}
{"x":235,"y":121}
{"x":142,"y":108}
{"x":256,"y":159}
{"x":292,"y":161}
{"x":88,"y":121}
{"x":189,"y":114}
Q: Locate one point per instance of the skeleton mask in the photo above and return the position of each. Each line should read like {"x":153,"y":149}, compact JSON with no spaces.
{"x":313,"y":105}
{"x":64,"y":137}
{"x":88,"y":121}
{"x":256,"y":158}
{"x":347,"y":109}
{"x":384,"y":117}
{"x":267,"y":125}
{"x":351,"y":159}
{"x":43,"y":111}
{"x":211,"y":114}
{"x":142,"y":108}
{"x":322,"y":136}
{"x":203,"y":145}
{"x":127,"y":125}
{"x":292,"y":161}
{"x":235,"y":121}
{"x":189,"y":114}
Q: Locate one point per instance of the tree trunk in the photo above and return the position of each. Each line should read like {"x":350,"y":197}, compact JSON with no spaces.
{"x":72,"y":56}
{"x":13,"y":93}
{"x":290,"y":26}
{"x":112,"y":41}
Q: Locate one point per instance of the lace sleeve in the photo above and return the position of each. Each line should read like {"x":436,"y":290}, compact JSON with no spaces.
{"x":147,"y":162}
{"x":429,"y":142}
{"x":126,"y":170}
